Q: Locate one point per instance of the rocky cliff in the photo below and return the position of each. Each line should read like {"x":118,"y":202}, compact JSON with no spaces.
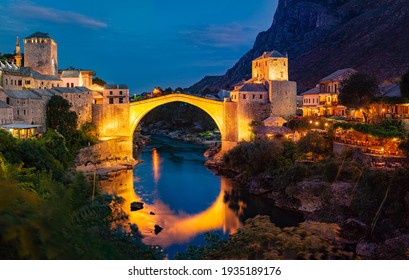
{"x":321,"y":36}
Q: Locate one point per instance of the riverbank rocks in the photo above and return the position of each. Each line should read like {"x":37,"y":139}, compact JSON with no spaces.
{"x":308,"y":193}
{"x":260,"y":185}
{"x":340,"y":193}
{"x":366,"y":250}
{"x":394,"y":249}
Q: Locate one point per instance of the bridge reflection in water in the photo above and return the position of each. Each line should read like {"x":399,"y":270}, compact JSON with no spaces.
{"x":177,"y":227}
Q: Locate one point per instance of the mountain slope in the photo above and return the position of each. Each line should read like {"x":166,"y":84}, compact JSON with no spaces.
{"x":321,"y":36}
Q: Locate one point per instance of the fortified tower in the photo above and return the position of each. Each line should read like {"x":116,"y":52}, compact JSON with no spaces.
{"x":267,"y":93}
{"x":40,"y":53}
{"x":17,"y":53}
{"x":273,"y":67}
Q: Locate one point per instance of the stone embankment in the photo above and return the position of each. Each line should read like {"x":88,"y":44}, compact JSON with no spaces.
{"x":104,"y":157}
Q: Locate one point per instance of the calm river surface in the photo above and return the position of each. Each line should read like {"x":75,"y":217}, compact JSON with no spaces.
{"x":185,"y":198}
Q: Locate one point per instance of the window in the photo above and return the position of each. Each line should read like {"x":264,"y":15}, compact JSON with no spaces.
{"x":111,"y":100}
{"x":8,"y":100}
{"x":335,"y":88}
{"x":18,"y":112}
{"x":120,"y":92}
{"x":121,"y":100}
{"x":27,"y":82}
{"x":72,"y":84}
{"x":282,"y":74}
{"x":254,"y":96}
{"x":68,"y":84}
{"x":110,"y":92}
{"x":7,"y":82}
{"x":244,"y":96}
{"x":261,"y":96}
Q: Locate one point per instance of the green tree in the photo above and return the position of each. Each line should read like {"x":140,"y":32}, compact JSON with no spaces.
{"x":59,"y":116}
{"x":261,"y":239}
{"x":358,"y":91}
{"x":404,"y":85}
{"x":99,"y":81}
{"x":314,"y":143}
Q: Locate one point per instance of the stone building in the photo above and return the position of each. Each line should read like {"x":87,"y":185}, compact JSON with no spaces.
{"x":6,"y":113}
{"x":116,"y":94}
{"x":40,"y":53}
{"x":81,"y":99}
{"x":33,"y":79}
{"x":10,"y":76}
{"x":72,"y":77}
{"x":323,"y":99}
{"x":28,"y":107}
{"x":267,"y":93}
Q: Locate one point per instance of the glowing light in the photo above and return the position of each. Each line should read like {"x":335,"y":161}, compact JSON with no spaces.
{"x":310,"y":121}
{"x":155,"y":165}
{"x":179,"y":227}
{"x":326,"y":124}
{"x":317,"y":123}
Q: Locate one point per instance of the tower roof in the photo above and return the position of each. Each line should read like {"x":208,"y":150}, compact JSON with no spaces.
{"x":273,"y":53}
{"x":39,"y":35}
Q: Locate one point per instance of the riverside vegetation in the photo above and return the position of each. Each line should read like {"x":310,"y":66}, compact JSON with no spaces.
{"x":48,"y":211}
{"x":352,"y":210}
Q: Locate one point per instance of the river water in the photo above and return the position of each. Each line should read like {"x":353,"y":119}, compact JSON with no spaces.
{"x":185,"y":198}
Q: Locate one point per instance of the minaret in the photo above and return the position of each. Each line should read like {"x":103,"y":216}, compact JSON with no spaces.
{"x":17,"y":56}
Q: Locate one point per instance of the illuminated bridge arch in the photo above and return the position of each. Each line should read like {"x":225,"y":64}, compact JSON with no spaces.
{"x":140,"y":108}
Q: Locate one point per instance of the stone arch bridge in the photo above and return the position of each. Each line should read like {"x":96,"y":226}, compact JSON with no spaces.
{"x":116,"y":122}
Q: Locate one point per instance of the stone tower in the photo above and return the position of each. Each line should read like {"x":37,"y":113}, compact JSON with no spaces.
{"x":272,"y":68}
{"x":40,"y":53}
{"x":17,"y":53}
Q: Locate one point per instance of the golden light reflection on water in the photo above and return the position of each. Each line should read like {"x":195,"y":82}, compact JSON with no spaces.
{"x":177,"y":228}
{"x":155,"y":165}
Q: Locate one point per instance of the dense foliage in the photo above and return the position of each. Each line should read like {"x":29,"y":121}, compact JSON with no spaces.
{"x":315,"y":144}
{"x":381,"y":200}
{"x":260,"y":156}
{"x":358,"y":91}
{"x":404,"y":85}
{"x":260,"y":239}
{"x":46,"y":210}
{"x":387,"y":129}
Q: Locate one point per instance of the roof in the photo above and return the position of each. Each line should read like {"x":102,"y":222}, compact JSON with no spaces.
{"x":250,"y":87}
{"x":72,"y":68}
{"x":70,"y":74}
{"x":20,"y":125}
{"x":314,"y":90}
{"x":116,"y":86}
{"x":4,"y":105}
{"x":276,"y":130}
{"x":272,"y":120}
{"x":19,"y":94}
{"x":8,"y":66}
{"x":39,"y":35}
{"x":273,"y":53}
{"x":44,"y":92}
{"x":390,"y":90}
{"x":339,"y":75}
{"x":70,"y":89}
{"x":28,"y":72}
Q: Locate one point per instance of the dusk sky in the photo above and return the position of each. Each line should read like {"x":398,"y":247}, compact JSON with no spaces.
{"x":144,"y":43}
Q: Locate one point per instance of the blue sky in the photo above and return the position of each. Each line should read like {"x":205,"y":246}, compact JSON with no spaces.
{"x":143,"y":43}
